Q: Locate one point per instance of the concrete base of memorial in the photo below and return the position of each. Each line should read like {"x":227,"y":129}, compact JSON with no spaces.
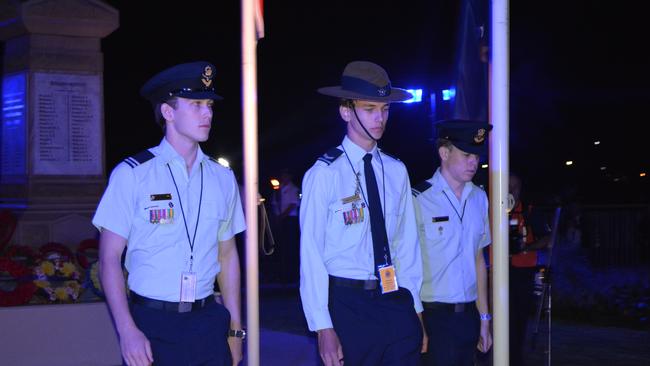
{"x":58,"y":335}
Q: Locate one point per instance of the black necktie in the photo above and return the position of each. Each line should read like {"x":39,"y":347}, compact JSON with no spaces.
{"x":377,"y":223}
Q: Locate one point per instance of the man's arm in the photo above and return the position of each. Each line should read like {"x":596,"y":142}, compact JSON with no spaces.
{"x":485,"y":340}
{"x":134,"y":345}
{"x":230,"y":286}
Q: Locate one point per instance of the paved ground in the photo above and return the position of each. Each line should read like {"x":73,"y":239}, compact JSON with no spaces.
{"x":285,"y":339}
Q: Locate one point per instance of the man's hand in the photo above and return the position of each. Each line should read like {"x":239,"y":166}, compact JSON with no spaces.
{"x":425,"y":338}
{"x":236,"y":347}
{"x":329,"y":347}
{"x":485,"y":340}
{"x":136,"y":349}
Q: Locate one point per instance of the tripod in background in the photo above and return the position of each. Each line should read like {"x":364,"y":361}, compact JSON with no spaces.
{"x":543,"y":290}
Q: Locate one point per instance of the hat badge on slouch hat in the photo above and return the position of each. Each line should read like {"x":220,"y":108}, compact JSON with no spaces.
{"x":480,"y":135}
{"x":364,"y":80}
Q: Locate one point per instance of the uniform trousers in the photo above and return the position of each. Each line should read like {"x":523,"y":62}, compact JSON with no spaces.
{"x":193,"y":338}
{"x":453,"y":334}
{"x":375,"y":329}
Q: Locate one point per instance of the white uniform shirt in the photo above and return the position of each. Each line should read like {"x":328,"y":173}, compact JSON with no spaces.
{"x":329,"y":247}
{"x":449,"y":246}
{"x":157,"y":253}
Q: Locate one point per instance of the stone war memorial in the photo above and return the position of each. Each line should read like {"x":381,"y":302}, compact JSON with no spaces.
{"x":52,"y":175}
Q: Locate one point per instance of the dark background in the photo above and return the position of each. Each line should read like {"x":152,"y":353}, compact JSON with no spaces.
{"x":578,"y":74}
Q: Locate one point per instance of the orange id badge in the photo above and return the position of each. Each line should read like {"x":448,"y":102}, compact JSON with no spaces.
{"x":388,"y":279}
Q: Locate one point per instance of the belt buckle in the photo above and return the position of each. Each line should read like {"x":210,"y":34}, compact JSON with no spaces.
{"x":184,"y":307}
{"x":459,"y":308}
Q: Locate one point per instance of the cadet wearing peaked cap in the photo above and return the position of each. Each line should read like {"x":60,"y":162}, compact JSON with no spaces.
{"x":453,"y":227}
{"x":360,"y":262}
{"x":179,"y":211}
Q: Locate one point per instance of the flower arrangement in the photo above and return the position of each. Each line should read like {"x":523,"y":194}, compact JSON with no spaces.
{"x":22,"y":291}
{"x":87,"y":252}
{"x":58,"y":281}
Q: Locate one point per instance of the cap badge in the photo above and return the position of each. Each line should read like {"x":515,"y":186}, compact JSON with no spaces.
{"x":382,"y":91}
{"x":480,"y":136}
{"x":206,"y":77}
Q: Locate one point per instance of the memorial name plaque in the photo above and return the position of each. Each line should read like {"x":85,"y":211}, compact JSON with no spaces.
{"x":66,"y":137}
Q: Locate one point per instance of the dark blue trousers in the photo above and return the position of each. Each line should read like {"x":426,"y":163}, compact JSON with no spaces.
{"x":198,"y":337}
{"x":453,"y":336}
{"x":376,"y":329}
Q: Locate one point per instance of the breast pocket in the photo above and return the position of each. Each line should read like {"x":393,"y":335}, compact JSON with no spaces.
{"x":437,"y":232}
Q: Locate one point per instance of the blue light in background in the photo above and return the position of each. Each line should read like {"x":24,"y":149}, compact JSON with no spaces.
{"x":448,"y":94}
{"x":417,"y":96}
{"x":12,"y":131}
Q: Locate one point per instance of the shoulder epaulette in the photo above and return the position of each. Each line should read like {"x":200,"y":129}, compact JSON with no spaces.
{"x":218,"y":162}
{"x":388,"y":154}
{"x":420,"y":188}
{"x":331,"y":155}
{"x":139,"y":158}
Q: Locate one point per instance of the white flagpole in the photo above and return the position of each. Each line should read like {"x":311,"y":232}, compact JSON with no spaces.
{"x":499,"y":172}
{"x":251,"y":180}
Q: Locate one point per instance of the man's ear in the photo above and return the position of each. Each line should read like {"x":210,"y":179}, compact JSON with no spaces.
{"x":443,"y":152}
{"x":345,"y":113}
{"x":167,"y":111}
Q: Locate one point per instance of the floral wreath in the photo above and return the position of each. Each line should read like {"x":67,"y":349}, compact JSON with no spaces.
{"x":94,"y":283}
{"x":64,"y":274}
{"x":55,"y":251}
{"x":25,"y":288}
{"x":24,"y":254}
{"x":84,"y":247}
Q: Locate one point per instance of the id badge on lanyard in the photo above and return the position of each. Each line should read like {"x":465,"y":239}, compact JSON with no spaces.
{"x":387,"y":278}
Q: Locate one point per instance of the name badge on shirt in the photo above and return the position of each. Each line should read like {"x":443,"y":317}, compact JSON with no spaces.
{"x":354,"y":198}
{"x":387,"y":279}
{"x":188,"y":286}
{"x":440,"y":219}
{"x":161,"y":197}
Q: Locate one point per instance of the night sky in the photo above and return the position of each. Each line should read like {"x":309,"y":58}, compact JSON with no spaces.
{"x":577,"y":75}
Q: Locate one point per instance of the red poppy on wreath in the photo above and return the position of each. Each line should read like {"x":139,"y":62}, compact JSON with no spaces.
{"x":87,"y":252}
{"x":19,"y":288}
{"x":56,"y":251}
{"x":7,"y":227}
{"x":23,"y":254}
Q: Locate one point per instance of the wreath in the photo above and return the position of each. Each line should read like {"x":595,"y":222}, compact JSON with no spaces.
{"x":94,"y":283}
{"x":17,"y":287}
{"x":23,"y":254}
{"x":56,"y":251}
{"x":57,"y":281}
{"x":83,"y":257}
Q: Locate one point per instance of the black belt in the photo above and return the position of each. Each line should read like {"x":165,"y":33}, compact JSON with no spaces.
{"x":451,"y":308}
{"x":171,"y":306}
{"x":348,"y":282}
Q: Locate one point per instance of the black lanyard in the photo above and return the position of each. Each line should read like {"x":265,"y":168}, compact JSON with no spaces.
{"x":198,"y":214}
{"x":454,"y":207}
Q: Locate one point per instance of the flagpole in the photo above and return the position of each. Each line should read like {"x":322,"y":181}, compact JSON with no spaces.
{"x":251,"y":180}
{"x":499,"y":172}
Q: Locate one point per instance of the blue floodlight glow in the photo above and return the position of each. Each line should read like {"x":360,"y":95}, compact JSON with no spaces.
{"x":417,"y":96}
{"x":13,"y":161}
{"x":448,"y":94}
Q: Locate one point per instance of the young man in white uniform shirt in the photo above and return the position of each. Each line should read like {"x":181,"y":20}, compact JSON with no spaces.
{"x":453,"y":225}
{"x":176,"y":211}
{"x":361,"y":320}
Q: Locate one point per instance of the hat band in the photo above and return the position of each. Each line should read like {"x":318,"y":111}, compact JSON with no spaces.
{"x":361,"y":86}
{"x":182,"y":91}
